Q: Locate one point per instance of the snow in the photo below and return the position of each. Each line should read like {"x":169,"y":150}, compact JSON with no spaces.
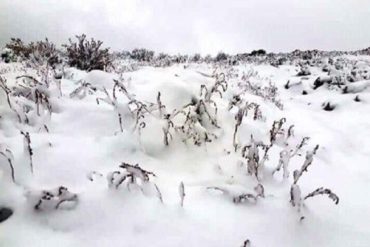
{"x":85,"y":137}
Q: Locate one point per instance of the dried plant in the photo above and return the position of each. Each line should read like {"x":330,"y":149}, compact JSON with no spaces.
{"x":29,"y":97}
{"x":158,"y":193}
{"x":52,"y":199}
{"x":260,"y":190}
{"x":243,"y":112}
{"x":132,"y":175}
{"x":236,"y":101}
{"x":251,"y":153}
{"x":322,"y":191}
{"x":19,"y":48}
{"x":182,"y":193}
{"x":239,"y":119}
{"x":241,"y":198}
{"x":113,"y":102}
{"x":8,"y":92}
{"x":193,"y":129}
{"x":82,"y":90}
{"x":297,"y":201}
{"x":267,"y":92}
{"x":296,"y":198}
{"x":283,"y":162}
{"x":308,"y":161}
{"x":277,"y":129}
{"x":37,"y":53}
{"x":219,"y":87}
{"x":246,"y":243}
{"x":287,"y":154}
{"x":166,"y":129}
{"x":130,"y":172}
{"x":44,"y":52}
{"x":8,"y":155}
{"x":246,"y":197}
{"x":27,"y":148}
{"x":136,"y":108}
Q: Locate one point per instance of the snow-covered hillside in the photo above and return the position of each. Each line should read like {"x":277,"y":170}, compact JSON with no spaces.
{"x":81,"y":133}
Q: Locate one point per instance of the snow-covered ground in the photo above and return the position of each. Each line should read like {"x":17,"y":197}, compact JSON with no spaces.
{"x":85,"y":136}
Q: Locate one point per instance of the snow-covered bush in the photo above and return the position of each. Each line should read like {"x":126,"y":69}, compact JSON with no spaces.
{"x":142,"y":55}
{"x":29,"y":100}
{"x":8,"y":56}
{"x":37,"y":53}
{"x":196,"y":58}
{"x":87,"y":55}
{"x":259,"y":52}
{"x":221,"y":56}
{"x":44,"y":52}
{"x":18,"y":48}
{"x":268,"y":91}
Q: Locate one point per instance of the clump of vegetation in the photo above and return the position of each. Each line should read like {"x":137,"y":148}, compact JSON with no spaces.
{"x":196,"y":122}
{"x":259,"y":52}
{"x":87,"y":55}
{"x":268,"y":92}
{"x":58,"y":198}
{"x":237,"y":198}
{"x":18,"y":48}
{"x":133,"y":176}
{"x":142,"y":55}
{"x":221,"y":56}
{"x":83,"y":90}
{"x":45,"y":51}
{"x":38,"y":53}
{"x":296,"y":198}
{"x":29,"y":100}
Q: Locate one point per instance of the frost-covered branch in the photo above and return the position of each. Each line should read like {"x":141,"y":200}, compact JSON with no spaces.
{"x":322,"y":191}
{"x":27,"y":147}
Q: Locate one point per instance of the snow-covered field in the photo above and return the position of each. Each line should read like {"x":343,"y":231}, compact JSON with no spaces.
{"x":84,"y":143}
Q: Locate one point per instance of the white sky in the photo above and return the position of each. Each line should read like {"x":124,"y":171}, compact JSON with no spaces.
{"x":187,"y":26}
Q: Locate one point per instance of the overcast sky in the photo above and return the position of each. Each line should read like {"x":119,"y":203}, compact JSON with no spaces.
{"x":206,"y":26}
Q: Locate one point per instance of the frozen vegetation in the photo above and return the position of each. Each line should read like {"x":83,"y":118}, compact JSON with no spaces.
{"x":139,"y":149}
